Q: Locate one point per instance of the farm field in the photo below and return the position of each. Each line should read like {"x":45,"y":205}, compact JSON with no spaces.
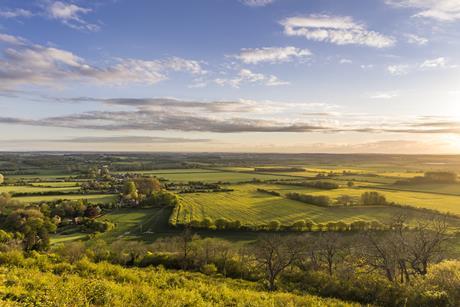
{"x":137,"y":222}
{"x":56,"y":184}
{"x":254,"y":208}
{"x":169,"y":171}
{"x":37,"y":189}
{"x":215,"y":176}
{"x":441,"y":188}
{"x":94,"y":199}
{"x":443,"y":203}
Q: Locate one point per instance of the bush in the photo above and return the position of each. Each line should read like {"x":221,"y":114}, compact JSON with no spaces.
{"x":274,"y":225}
{"x":209,"y":269}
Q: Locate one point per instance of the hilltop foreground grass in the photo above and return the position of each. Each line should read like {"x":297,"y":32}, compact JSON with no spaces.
{"x":37,"y":282}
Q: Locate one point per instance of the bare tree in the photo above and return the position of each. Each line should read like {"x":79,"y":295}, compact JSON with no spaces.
{"x":402,"y":252}
{"x":330,"y":246}
{"x":275,"y":253}
{"x":426,"y":243}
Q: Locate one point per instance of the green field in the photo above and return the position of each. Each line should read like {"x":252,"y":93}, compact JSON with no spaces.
{"x":56,"y":184}
{"x":443,"y":203}
{"x":95,"y":199}
{"x":439,"y":188}
{"x":253,"y":208}
{"x":216,"y":177}
{"x":137,"y":222}
{"x":37,"y":189}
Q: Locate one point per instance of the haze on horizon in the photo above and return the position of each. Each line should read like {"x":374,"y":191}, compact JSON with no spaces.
{"x":380,"y":76}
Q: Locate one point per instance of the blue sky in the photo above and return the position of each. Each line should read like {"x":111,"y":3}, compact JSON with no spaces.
{"x":231,"y":75}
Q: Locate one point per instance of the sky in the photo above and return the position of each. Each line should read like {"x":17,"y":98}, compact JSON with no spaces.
{"x":333,"y":76}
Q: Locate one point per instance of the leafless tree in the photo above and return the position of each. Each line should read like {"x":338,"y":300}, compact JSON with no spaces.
{"x":330,"y":246}
{"x":274,"y":254}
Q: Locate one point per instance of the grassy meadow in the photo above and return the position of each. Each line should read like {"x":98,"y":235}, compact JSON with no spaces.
{"x":91,"y":198}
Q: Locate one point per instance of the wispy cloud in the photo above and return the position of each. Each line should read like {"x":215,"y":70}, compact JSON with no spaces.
{"x":345,"y":61}
{"x":335,"y":29}
{"x":384,"y":95}
{"x":232,"y":117}
{"x":442,"y":10}
{"x":128,"y":139}
{"x":416,"y":40}
{"x":12,"y":40}
{"x":272,"y":54}
{"x":15,"y":13}
{"x":246,"y":76}
{"x":434,"y":63}
{"x":71,"y":15}
{"x":24,"y":63}
{"x":257,"y":3}
{"x":398,"y":70}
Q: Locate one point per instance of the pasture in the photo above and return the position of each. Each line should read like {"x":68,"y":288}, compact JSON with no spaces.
{"x":214,"y":176}
{"x":254,"y":208}
{"x":130,"y":222}
{"x":91,"y":198}
{"x":37,"y":189}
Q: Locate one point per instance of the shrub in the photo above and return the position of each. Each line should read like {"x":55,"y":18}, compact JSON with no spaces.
{"x":221,"y":223}
{"x":274,"y":225}
{"x":209,"y":269}
{"x":299,"y":225}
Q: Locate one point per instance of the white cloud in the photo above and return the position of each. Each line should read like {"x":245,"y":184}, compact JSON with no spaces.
{"x":10,"y":39}
{"x":345,"y":61}
{"x":15,"y":13}
{"x":443,"y":10}
{"x":398,"y":70}
{"x":416,"y":40}
{"x":247,"y":76}
{"x":384,"y":95}
{"x":335,"y":29}
{"x":257,"y":3}
{"x":272,"y":54}
{"x":70,"y":15}
{"x":434,"y":63}
{"x":367,"y":66}
{"x":24,"y":63}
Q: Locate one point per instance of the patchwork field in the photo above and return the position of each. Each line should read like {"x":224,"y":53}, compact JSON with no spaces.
{"x":37,"y":189}
{"x":443,"y":203}
{"x":254,"y":208}
{"x":216,"y":176}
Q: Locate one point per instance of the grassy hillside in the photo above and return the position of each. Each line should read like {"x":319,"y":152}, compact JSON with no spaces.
{"x":103,"y":284}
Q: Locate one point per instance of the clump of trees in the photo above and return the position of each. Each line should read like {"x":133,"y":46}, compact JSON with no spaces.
{"x":147,"y":192}
{"x":274,"y":193}
{"x":137,"y":188}
{"x":373,"y":199}
{"x":33,"y":225}
{"x":318,"y":200}
{"x":431,"y":177}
